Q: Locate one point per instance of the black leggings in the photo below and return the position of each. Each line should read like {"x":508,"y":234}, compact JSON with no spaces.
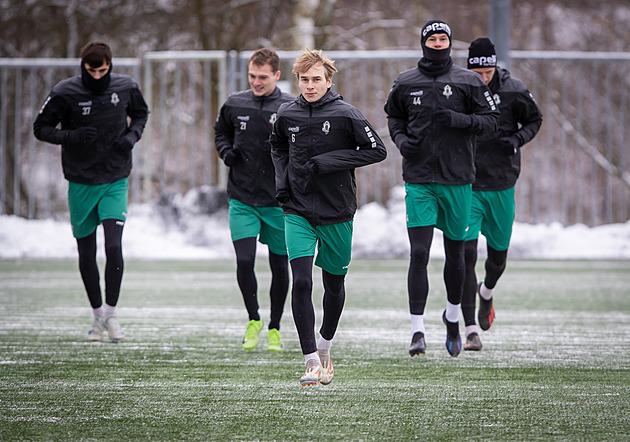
{"x":246,"y":277}
{"x":420,"y":239}
{"x":114,"y":264}
{"x":495,"y":266}
{"x":302,"y":303}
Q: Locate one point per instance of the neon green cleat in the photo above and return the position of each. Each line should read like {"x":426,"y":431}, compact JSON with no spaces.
{"x":274,"y":342}
{"x":250,"y":341}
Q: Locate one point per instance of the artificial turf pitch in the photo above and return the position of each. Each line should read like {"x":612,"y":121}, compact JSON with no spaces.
{"x":554,"y":366}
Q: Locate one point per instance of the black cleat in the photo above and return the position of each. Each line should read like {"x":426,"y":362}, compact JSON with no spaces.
{"x":485,"y":316}
{"x":473,"y":342}
{"x":418,"y":346}
{"x":453,"y":339}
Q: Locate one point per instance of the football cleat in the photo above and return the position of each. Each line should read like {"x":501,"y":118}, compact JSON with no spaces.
{"x":473,"y":342}
{"x":313,"y":374}
{"x":274,"y":342}
{"x":327,"y":372}
{"x":485,"y":316}
{"x":113,"y":328}
{"x":453,"y":339}
{"x":250,"y":341}
{"x":418,"y":346}
{"x":96,"y":333}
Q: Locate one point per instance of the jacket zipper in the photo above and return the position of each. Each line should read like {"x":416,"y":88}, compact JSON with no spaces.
{"x":310,"y":151}
{"x":435,"y":131}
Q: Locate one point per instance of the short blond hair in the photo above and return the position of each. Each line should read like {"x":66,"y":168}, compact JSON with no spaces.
{"x":309,"y":58}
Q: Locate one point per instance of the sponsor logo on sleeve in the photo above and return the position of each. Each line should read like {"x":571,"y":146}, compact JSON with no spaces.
{"x":370,"y":135}
{"x":490,"y":100}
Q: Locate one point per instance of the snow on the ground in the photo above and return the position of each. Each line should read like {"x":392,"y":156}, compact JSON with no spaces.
{"x":184,"y":231}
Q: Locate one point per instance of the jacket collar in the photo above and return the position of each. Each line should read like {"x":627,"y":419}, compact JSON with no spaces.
{"x":275,"y":94}
{"x":328,"y":97}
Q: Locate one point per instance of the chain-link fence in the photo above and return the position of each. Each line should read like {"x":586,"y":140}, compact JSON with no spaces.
{"x":576,"y":170}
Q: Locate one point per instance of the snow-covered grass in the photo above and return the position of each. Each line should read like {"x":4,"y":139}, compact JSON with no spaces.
{"x":554,"y":364}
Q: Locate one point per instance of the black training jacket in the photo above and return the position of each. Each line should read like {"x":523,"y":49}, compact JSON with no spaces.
{"x":337,"y":138}
{"x":244,"y":123}
{"x":497,"y":167}
{"x":446,"y":155}
{"x":74,"y":106}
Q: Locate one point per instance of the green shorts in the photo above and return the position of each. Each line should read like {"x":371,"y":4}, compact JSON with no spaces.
{"x":266,"y":223}
{"x":333,"y":242}
{"x":492,"y":213}
{"x":90,"y":204}
{"x":446,"y":207}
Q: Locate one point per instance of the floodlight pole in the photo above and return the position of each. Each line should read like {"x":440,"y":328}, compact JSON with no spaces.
{"x":500,"y":25}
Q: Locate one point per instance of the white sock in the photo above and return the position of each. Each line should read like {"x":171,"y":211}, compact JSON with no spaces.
{"x":452,"y":312}
{"x":417,"y":324}
{"x":312,"y":357}
{"x":470,"y":329}
{"x":323,"y":345}
{"x":485,"y":292}
{"x":110,"y":310}
{"x":100,"y":312}
{"x":323,"y":349}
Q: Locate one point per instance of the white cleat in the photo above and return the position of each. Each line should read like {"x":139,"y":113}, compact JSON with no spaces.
{"x":98,"y":327}
{"x":327,"y":372}
{"x":113,"y":328}
{"x":313,"y":374}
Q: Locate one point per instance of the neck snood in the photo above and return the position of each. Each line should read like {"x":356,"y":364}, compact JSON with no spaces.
{"x":97,"y":86}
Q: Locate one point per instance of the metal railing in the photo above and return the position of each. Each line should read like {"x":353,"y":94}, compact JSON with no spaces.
{"x":576,"y":170}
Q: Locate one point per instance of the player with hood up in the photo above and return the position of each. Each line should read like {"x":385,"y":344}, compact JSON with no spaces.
{"x":102,"y":117}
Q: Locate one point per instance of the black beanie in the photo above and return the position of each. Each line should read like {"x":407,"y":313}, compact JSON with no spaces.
{"x":435,"y":27}
{"x":481,"y":54}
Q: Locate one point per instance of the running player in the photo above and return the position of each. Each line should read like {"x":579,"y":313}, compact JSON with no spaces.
{"x":434,"y":112}
{"x":498,"y":165}
{"x":102,"y":117}
{"x":317,"y":142}
{"x":242,"y":134}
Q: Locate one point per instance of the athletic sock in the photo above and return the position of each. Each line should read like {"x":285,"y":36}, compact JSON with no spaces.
{"x":324,"y":345}
{"x":417,"y":324}
{"x":470,"y":329}
{"x":109,"y":309}
{"x":452,"y":312}
{"x":323,"y":348}
{"x":100,"y":312}
{"x":311,"y":357}
{"x":485,"y":292}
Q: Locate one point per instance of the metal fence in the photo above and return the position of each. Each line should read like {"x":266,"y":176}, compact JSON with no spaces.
{"x":576,"y":170}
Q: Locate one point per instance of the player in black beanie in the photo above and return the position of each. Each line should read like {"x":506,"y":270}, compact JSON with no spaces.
{"x":434,"y":112}
{"x":481,"y":53}
{"x":498,"y":164}
{"x":437,"y":58}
